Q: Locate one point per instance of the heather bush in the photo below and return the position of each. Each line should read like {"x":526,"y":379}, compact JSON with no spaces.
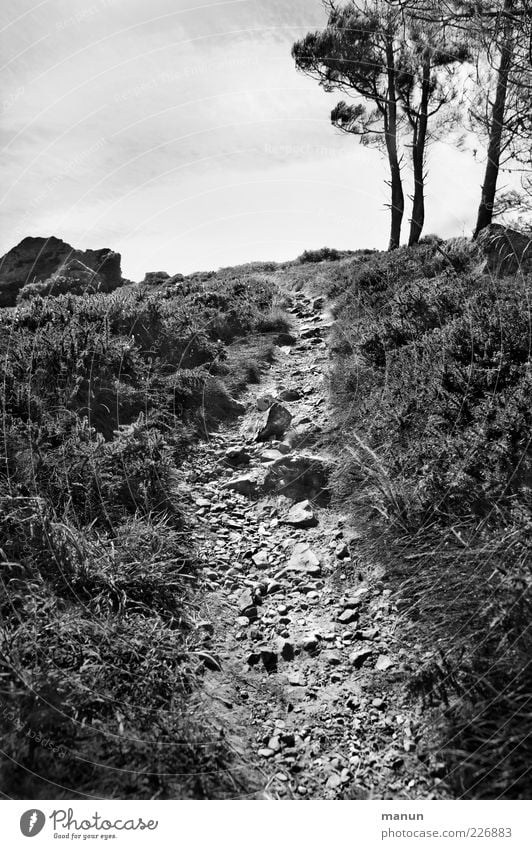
{"x":432,"y":384}
{"x":319,"y":255}
{"x":440,"y":366}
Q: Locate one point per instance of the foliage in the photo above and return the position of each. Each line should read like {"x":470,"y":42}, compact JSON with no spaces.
{"x":101,"y":398}
{"x":328,"y":254}
{"x":401,"y":79}
{"x":359,"y":53}
{"x":447,"y":355}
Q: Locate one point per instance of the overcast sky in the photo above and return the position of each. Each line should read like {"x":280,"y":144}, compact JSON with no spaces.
{"x":179,"y":133}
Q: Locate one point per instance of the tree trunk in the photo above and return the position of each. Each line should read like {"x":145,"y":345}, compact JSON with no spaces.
{"x":397,"y":205}
{"x":390,"y":127}
{"x":489,"y":186}
{"x":418,"y":158}
{"x":418,"y":206}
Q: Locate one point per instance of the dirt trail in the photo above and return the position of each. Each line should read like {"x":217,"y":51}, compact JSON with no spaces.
{"x":305,"y":677}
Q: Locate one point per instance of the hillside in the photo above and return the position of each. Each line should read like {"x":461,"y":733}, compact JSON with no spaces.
{"x":267,"y":532}
{"x":49,"y":266}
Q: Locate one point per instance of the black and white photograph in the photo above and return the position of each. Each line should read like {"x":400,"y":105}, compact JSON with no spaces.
{"x":266,"y":412}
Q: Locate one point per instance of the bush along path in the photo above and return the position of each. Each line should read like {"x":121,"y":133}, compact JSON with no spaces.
{"x":304,"y":678}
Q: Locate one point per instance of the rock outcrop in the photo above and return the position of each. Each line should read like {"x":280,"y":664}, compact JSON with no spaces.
{"x":274,"y":423}
{"x":161,"y":278}
{"x":300,"y":476}
{"x":43,"y":266}
{"x":506,"y":250}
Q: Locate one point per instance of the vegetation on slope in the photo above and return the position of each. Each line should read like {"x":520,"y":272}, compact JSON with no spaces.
{"x":100,"y":398}
{"x":432,"y":386}
{"x":103,"y":395}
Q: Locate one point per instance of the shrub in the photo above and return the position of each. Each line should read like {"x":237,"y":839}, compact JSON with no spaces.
{"x":328,"y":254}
{"x":432,"y":384}
{"x":101,"y":398}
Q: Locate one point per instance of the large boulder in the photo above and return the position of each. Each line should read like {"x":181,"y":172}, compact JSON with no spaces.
{"x":300,"y":476}
{"x":245,"y":485}
{"x":32,"y":261}
{"x":47,"y":265}
{"x":155,"y":278}
{"x":274,"y":423}
{"x":72,"y":277}
{"x":301,"y":515}
{"x":506,"y":250}
{"x":106,"y":263}
{"x":304,"y":560}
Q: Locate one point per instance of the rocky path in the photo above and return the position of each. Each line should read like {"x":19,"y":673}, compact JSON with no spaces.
{"x":305,"y":677}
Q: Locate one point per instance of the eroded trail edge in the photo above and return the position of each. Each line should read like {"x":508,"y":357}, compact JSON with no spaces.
{"x":305,"y":678}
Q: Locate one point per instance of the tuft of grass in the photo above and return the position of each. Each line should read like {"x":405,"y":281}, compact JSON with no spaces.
{"x":276,"y":319}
